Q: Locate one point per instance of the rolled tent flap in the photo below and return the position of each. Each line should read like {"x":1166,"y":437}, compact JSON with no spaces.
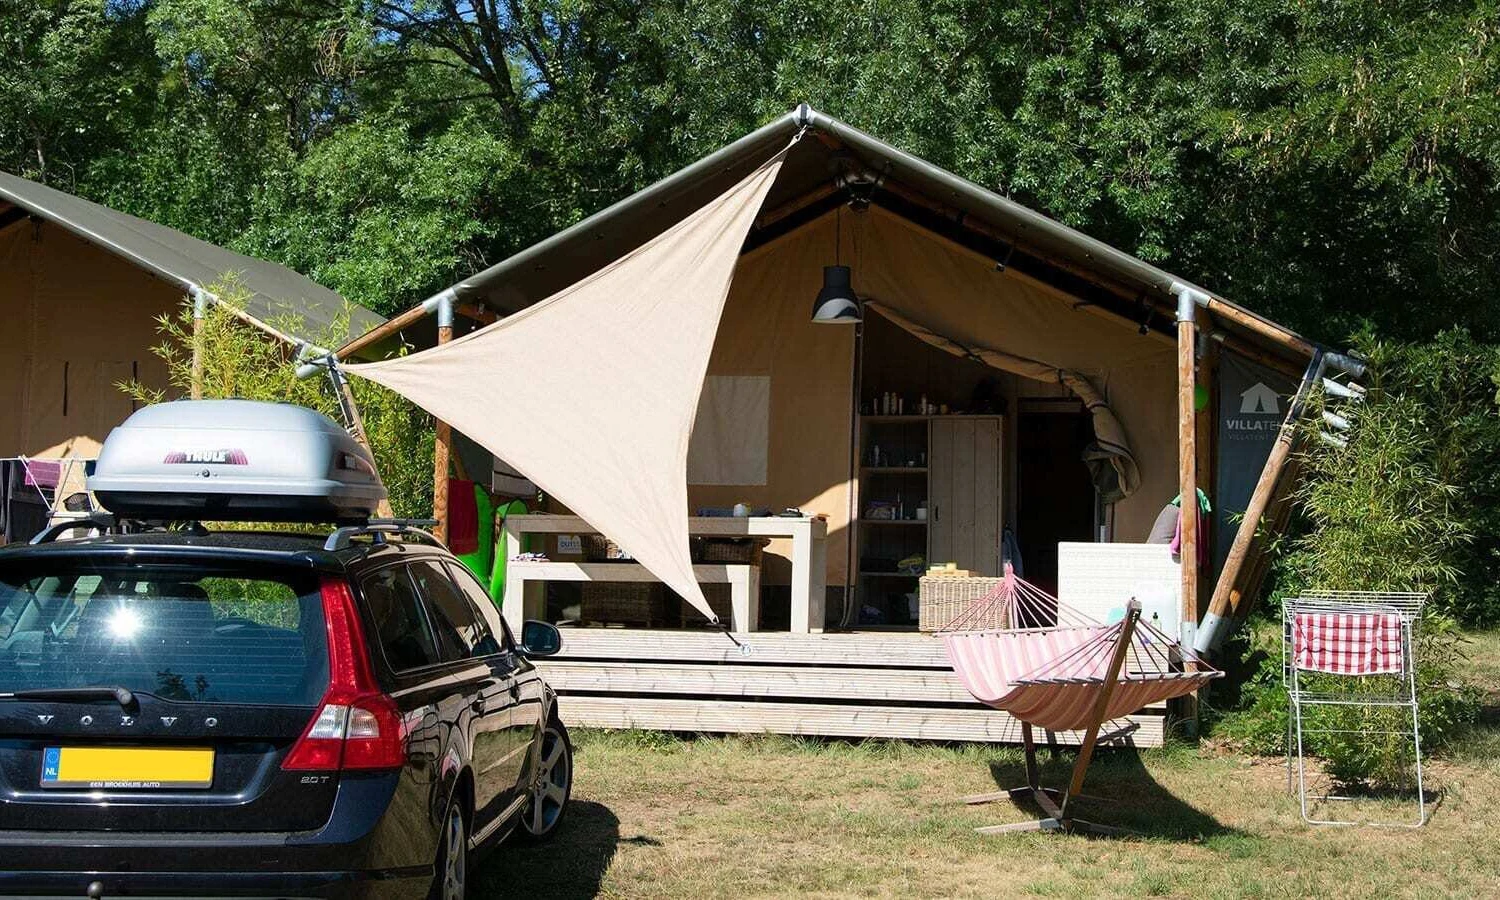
{"x":1116,"y":480}
{"x":601,"y":382}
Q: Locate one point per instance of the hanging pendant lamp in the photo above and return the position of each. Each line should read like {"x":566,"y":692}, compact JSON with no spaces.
{"x":836,"y":302}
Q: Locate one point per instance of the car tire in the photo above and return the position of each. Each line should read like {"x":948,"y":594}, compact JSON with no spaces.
{"x":451,"y":874}
{"x":552,"y":786}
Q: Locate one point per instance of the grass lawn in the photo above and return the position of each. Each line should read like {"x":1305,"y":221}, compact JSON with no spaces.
{"x":657,"y":816}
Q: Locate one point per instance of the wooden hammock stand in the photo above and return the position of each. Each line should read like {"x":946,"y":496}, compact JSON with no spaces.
{"x":1052,"y":801}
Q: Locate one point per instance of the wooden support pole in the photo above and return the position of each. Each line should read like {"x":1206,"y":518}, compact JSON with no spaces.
{"x":1028,"y":742}
{"x":1297,"y":345}
{"x":200,"y":312}
{"x":1247,"y":585}
{"x":440,"y":453}
{"x":391,"y":327}
{"x":195,"y":390}
{"x":383,"y":331}
{"x":1101,"y":703}
{"x":1221,"y":608}
{"x":1187,"y":470}
{"x":1187,"y":455}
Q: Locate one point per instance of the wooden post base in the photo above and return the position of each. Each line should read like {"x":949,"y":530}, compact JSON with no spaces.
{"x":1049,"y":799}
{"x":1052,"y":801}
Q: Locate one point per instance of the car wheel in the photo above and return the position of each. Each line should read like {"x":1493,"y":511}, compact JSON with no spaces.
{"x":552,"y":787}
{"x":452,"y":872}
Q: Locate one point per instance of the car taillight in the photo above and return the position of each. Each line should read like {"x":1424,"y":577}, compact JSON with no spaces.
{"x":357,"y":726}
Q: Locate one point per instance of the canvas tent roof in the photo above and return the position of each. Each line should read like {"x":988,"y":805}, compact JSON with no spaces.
{"x":1028,"y":241}
{"x":181,"y":259}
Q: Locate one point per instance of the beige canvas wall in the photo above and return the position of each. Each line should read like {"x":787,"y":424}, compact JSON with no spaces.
{"x":766,"y":331}
{"x":77,"y":320}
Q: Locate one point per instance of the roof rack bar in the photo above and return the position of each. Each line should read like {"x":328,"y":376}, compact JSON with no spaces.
{"x":341,"y":538}
{"x":58,"y":529}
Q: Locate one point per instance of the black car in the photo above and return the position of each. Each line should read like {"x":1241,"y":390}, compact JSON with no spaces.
{"x":233,"y":714}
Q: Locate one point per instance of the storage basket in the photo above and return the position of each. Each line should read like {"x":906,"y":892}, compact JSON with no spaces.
{"x":623,"y":603}
{"x":942,"y":599}
{"x":598,"y":548}
{"x":719,"y":600}
{"x":744,"y":551}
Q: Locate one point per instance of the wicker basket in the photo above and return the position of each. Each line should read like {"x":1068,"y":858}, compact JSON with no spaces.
{"x":940,"y":600}
{"x":598,"y":548}
{"x":623,"y":603}
{"x":744,"y":551}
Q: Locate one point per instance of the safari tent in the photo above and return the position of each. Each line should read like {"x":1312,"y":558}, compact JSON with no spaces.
{"x":82,"y":285}
{"x":970,"y":382}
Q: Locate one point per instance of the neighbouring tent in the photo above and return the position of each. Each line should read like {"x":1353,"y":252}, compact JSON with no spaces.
{"x":613,"y":366}
{"x":81,"y":289}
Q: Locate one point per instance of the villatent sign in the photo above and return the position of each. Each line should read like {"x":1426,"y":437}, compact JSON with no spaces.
{"x":1250,"y":408}
{"x":1260,"y":410}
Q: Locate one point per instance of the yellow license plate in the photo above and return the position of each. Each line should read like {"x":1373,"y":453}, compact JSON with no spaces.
{"x":127,"y":768}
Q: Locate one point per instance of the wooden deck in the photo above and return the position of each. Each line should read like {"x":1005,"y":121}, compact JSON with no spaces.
{"x":862,"y":685}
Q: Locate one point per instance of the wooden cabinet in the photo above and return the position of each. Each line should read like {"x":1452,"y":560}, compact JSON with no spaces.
{"x":964,"y":479}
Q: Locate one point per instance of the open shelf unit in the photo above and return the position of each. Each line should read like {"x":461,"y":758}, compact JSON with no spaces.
{"x":893,"y":481}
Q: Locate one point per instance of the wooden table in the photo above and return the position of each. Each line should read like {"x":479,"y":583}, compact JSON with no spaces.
{"x":809,"y":537}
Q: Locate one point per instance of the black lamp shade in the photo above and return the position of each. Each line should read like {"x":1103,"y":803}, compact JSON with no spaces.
{"x":836,"y":302}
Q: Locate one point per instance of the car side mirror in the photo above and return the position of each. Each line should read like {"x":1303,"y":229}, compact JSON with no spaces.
{"x":540,"y":638}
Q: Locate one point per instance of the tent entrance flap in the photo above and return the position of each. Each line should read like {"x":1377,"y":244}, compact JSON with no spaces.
{"x":612,"y":368}
{"x":1109,"y":459}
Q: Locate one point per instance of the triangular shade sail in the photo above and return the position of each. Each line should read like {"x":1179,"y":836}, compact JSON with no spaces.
{"x":600,"y":382}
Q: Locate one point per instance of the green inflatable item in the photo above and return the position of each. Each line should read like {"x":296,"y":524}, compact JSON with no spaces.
{"x":482,"y":560}
{"x":497,"y":574}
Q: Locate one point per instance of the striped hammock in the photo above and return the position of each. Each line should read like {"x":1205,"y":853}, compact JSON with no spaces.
{"x":1050,"y":665}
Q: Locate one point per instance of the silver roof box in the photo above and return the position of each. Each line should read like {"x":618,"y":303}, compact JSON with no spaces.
{"x":235,"y":460}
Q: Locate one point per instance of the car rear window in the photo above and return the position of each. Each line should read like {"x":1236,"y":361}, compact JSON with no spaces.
{"x":188,"y":635}
{"x":461,"y":633}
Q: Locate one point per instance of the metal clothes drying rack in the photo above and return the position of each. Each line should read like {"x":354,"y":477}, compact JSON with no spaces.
{"x":1364,"y":639}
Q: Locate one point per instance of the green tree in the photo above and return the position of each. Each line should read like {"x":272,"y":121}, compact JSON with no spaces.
{"x":76,"y":78}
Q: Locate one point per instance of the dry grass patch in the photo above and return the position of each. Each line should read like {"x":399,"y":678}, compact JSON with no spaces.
{"x":658,"y":816}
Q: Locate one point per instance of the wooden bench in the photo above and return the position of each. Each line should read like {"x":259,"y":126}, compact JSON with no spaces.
{"x":809,"y":551}
{"x":520,"y":605}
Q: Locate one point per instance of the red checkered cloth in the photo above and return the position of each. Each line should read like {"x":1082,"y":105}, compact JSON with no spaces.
{"x":1348,"y":643}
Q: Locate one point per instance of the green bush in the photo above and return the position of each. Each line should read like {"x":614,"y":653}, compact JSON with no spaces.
{"x":241,"y":361}
{"x":1356,"y":750}
{"x":1412,"y":503}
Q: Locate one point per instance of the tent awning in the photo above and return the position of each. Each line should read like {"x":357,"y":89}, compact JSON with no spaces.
{"x":275,"y":290}
{"x":1037,"y":244}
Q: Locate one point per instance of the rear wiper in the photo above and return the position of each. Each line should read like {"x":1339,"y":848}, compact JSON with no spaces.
{"x":121,"y":695}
